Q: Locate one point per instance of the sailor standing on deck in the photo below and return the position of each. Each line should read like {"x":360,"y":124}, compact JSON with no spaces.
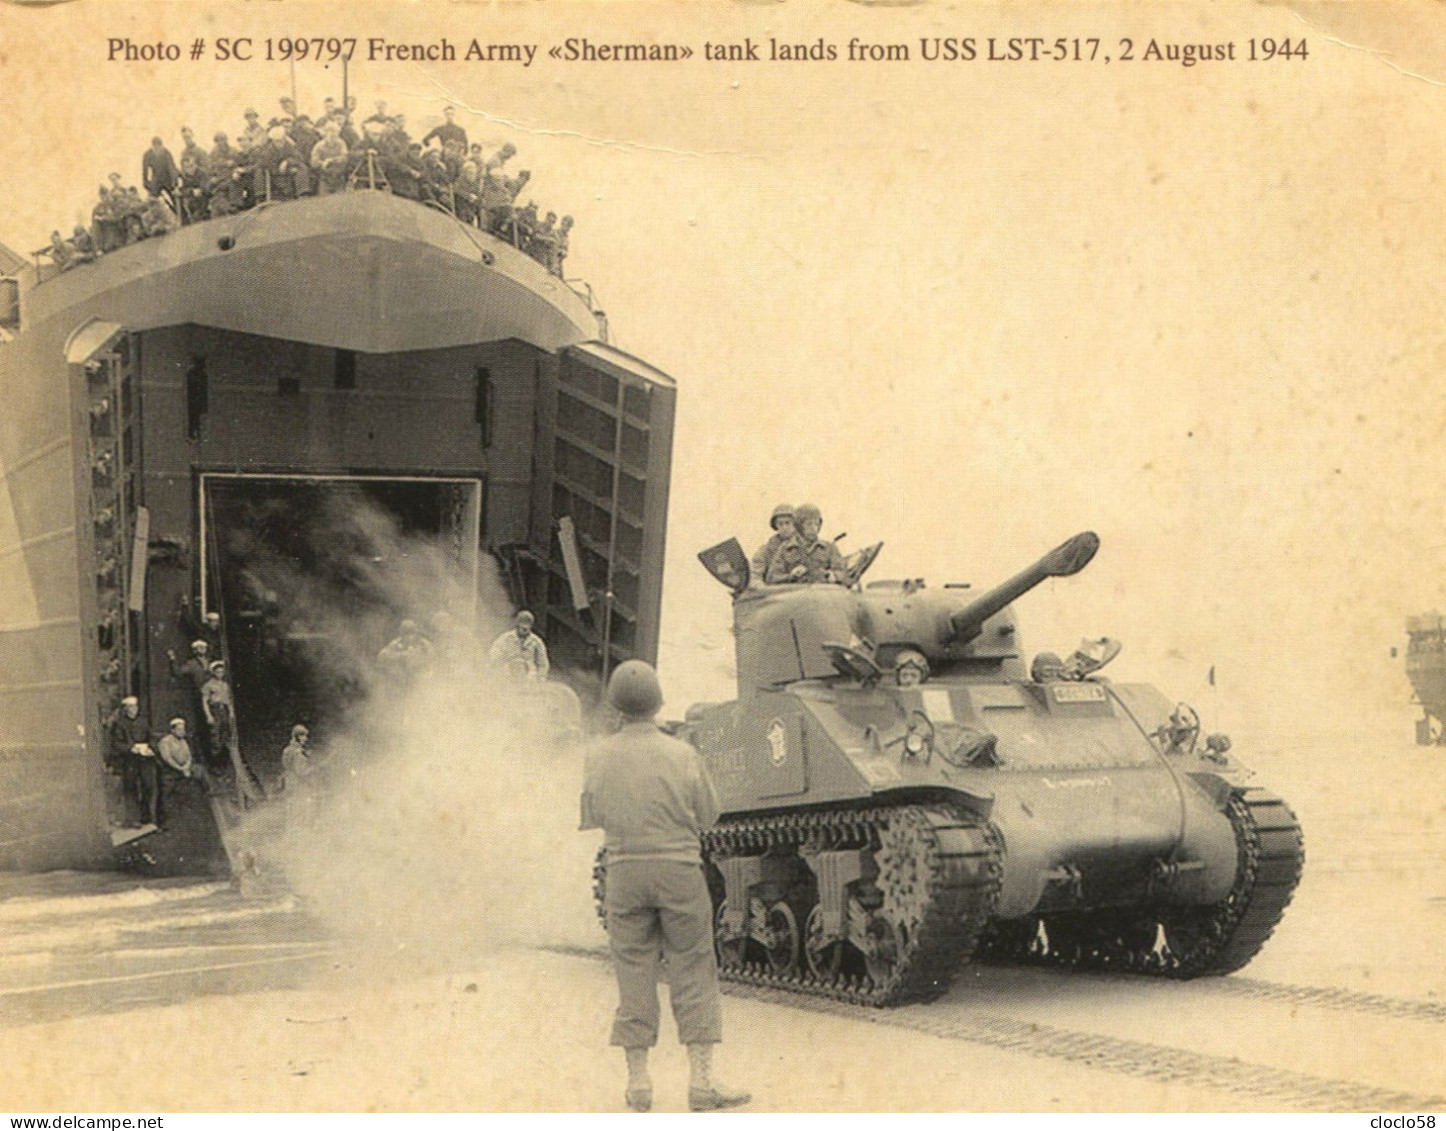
{"x":193,"y":675}
{"x":651,"y":796}
{"x":220,"y":709}
{"x":158,"y":171}
{"x":131,"y":754}
{"x":448,"y":131}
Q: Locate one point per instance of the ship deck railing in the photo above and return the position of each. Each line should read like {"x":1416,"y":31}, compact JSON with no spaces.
{"x":368,"y":176}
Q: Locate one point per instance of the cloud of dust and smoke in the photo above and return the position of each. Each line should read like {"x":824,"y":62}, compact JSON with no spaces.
{"x":441,"y":819}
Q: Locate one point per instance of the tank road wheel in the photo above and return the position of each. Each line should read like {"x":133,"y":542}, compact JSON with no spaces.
{"x":780,"y":939}
{"x":770,"y":942}
{"x":884,"y":951}
{"x":823,"y":955}
{"x":732,"y":950}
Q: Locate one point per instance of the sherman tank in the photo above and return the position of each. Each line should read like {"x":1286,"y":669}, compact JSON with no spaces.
{"x":902,"y":796}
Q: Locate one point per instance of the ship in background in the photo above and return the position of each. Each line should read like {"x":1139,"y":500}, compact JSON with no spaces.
{"x":189,"y":404}
{"x":1426,"y":668}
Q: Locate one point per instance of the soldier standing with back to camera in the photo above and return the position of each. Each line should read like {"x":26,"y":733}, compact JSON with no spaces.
{"x":651,"y":796}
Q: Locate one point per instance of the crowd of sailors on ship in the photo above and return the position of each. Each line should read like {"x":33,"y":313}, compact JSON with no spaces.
{"x":294,"y":156}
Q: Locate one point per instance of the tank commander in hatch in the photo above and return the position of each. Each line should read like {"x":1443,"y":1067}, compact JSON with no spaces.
{"x":521,"y":650}
{"x":806,"y":558}
{"x":651,"y":796}
{"x":782,"y":524}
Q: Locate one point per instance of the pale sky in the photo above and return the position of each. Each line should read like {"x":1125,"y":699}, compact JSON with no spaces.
{"x":968,"y":308}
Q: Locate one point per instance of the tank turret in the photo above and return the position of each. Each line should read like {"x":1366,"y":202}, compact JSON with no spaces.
{"x":781,"y":631}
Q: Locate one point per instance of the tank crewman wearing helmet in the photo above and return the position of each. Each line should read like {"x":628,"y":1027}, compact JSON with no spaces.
{"x":911,"y":668}
{"x":521,"y":650}
{"x":650,"y":794}
{"x":782,"y":523}
{"x":805,"y":557}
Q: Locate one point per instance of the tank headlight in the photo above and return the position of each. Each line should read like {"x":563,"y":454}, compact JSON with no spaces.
{"x":914,"y":744}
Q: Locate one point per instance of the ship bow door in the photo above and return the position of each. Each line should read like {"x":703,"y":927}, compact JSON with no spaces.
{"x":604,"y":452}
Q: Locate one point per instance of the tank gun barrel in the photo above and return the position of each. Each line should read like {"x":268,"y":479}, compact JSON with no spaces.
{"x":1064,"y":560}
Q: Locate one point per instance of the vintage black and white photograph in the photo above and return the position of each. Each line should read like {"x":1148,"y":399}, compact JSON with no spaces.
{"x":740,"y":556}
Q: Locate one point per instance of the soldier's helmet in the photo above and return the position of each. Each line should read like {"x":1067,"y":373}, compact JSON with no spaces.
{"x":633,"y":689}
{"x":783,"y":510}
{"x":911,"y":666}
{"x":806,"y":511}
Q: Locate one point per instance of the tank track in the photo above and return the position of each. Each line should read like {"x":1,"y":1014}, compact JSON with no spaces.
{"x":1198,"y":941}
{"x":939,"y":872}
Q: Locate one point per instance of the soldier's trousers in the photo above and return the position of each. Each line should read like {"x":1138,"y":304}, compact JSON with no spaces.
{"x":658,"y":908}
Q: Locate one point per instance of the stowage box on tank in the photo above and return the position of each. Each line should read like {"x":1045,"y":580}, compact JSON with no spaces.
{"x":901,"y":796}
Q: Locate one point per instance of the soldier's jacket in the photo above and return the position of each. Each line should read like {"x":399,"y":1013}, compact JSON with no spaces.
{"x":328,"y":149}
{"x":766,"y":553}
{"x":818,"y":558}
{"x":193,"y":163}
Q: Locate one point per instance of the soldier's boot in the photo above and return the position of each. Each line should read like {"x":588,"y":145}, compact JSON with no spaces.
{"x":703,"y":1093}
{"x":639,"y":1094}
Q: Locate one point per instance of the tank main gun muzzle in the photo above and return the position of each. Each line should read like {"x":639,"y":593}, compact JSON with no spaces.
{"x":1063,"y":561}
